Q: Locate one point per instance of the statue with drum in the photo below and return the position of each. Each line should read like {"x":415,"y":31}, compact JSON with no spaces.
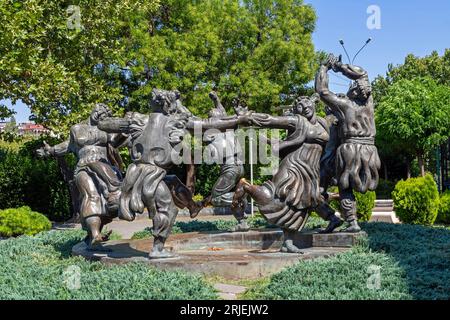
{"x":316,"y":152}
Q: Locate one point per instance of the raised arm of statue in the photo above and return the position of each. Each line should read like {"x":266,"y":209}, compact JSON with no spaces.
{"x":322,"y":88}
{"x":350,"y":71}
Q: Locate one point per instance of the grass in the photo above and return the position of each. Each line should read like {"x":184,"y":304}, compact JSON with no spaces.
{"x":413,"y":262}
{"x":41,"y":267}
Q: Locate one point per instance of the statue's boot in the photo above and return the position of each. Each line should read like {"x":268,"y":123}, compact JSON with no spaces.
{"x":158,"y":251}
{"x":242,"y":226}
{"x":334,"y":223}
{"x":259,"y":194}
{"x":288,"y":243}
{"x":353,"y":227}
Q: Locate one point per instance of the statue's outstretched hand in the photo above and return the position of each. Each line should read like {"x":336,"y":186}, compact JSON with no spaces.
{"x":44,"y":151}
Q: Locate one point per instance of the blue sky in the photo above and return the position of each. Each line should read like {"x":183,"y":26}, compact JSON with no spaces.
{"x":417,"y":27}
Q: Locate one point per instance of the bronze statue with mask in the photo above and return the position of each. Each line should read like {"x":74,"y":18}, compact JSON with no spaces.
{"x":98,"y":181}
{"x":357,"y":160}
{"x":294,"y":191}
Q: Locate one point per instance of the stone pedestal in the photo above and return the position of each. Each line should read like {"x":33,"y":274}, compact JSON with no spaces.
{"x":247,"y":255}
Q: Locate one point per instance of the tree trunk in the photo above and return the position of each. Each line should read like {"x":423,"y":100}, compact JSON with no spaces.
{"x":385,"y":171}
{"x":69,"y":179}
{"x":408,"y":169}
{"x":190,"y":177}
{"x":421,"y":163}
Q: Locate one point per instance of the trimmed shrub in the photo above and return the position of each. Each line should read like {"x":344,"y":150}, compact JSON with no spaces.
{"x":444,"y":208}
{"x":416,"y":200}
{"x":20,"y":221}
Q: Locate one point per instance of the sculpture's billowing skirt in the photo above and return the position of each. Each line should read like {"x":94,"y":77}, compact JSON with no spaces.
{"x":294,"y":188}
{"x":98,"y":184}
{"x":357,"y":167}
{"x":138,"y":188}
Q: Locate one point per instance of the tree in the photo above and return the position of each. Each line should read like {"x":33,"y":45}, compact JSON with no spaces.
{"x":258,"y":50}
{"x":62,"y":57}
{"x":433,"y":66}
{"x":414,"y":116}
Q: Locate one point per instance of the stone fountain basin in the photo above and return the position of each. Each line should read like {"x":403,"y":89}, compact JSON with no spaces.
{"x":242,"y":255}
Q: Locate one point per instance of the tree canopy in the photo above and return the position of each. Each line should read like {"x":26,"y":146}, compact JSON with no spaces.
{"x":258,"y":50}
{"x":413,"y":116}
{"x":61,"y":57}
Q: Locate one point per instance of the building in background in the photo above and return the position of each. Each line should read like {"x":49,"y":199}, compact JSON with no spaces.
{"x":23,"y":129}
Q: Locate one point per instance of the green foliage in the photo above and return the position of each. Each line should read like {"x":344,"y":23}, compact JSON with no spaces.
{"x":365,"y":202}
{"x":416,"y":200}
{"x":444,"y":208}
{"x":37,"y":183}
{"x":384,"y":189}
{"x":414,"y":114}
{"x":38,"y":268}
{"x":20,"y":221}
{"x":256,"y":222}
{"x":411,"y":259}
{"x":59,"y":68}
{"x":412,"y":110}
{"x":253,"y":49}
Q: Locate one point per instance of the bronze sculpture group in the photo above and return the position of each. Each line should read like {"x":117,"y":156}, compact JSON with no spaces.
{"x":316,"y":152}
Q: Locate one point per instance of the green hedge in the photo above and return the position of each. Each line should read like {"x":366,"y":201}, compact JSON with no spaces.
{"x":28,"y":181}
{"x":444,"y":208}
{"x":416,"y":200}
{"x":41,"y":268}
{"x":20,"y":221}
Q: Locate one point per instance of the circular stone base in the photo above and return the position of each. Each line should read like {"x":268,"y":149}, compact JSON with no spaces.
{"x":246,"y":255}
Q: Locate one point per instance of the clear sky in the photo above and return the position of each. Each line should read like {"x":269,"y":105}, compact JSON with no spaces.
{"x":417,"y":27}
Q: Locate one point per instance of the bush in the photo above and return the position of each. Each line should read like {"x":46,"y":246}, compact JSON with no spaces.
{"x":365,"y":202}
{"x":384,"y":189}
{"x":37,"y":183}
{"x":416,"y":200}
{"x":444,"y":208}
{"x":41,"y":267}
{"x":17,"y":222}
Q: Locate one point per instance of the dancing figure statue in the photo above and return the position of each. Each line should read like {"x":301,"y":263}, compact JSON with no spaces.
{"x":225,"y":147}
{"x":294,"y":191}
{"x":98,"y":181}
{"x":153,"y":138}
{"x":356,"y":156}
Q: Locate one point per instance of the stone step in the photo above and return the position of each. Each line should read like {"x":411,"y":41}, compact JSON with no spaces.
{"x":388,"y":217}
{"x":228,"y":291}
